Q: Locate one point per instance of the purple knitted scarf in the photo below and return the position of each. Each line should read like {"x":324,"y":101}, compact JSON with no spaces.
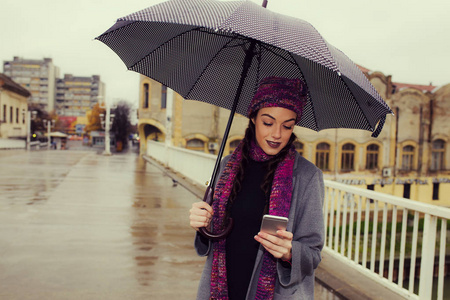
{"x":280,"y":203}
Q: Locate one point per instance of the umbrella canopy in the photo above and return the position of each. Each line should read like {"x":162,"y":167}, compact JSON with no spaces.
{"x":218,"y":51}
{"x":198,"y":49}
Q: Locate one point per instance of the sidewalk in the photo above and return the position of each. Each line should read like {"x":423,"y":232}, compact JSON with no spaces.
{"x":80,"y":225}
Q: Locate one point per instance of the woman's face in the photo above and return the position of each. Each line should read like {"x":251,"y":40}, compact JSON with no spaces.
{"x":273,"y":128}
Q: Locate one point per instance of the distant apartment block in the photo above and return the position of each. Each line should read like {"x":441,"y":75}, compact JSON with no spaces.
{"x":70,"y":96}
{"x":76,"y":95}
{"x":37,"y":76}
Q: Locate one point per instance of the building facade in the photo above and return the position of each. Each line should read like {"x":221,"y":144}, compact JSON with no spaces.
{"x":69,"y":96}
{"x":410,"y":158}
{"x":38,"y":77}
{"x":13,"y":108}
{"x":75,"y":95}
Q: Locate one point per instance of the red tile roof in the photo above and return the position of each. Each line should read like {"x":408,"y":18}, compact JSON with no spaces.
{"x":425,"y":88}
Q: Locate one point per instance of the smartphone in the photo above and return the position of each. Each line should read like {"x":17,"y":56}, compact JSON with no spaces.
{"x":270,"y":224}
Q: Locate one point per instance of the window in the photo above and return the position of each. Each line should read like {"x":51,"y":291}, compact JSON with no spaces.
{"x":435,"y":190}
{"x":146,"y":91}
{"x":233,"y":145}
{"x":407,"y":158}
{"x":437,"y":155}
{"x":407,"y":190}
{"x":163,"y":96}
{"x":195,"y":144}
{"x":348,"y":157}
{"x":323,"y":156}
{"x":23,"y":116}
{"x":372,"y":157}
{"x":299,"y":147}
{"x":11,"y":120}
{"x":4,"y":113}
{"x":17,"y":115}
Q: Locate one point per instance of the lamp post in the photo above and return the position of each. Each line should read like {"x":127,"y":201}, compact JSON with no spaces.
{"x":48,"y":124}
{"x":30,"y":116}
{"x":106,"y":125}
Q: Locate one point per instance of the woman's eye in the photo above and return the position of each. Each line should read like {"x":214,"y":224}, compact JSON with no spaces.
{"x":267,"y":124}
{"x":288,"y":127}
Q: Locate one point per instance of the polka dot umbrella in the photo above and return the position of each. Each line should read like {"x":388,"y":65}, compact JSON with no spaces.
{"x":217,"y":52}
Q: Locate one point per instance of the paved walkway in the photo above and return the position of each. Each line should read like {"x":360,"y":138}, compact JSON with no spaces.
{"x":80,"y":225}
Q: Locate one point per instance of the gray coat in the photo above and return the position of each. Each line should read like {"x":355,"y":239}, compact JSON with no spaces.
{"x":305,"y":222}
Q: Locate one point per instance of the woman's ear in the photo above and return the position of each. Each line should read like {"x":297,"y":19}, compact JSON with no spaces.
{"x":253,"y":121}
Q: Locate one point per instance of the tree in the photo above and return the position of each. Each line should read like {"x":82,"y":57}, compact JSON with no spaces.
{"x":94,"y":120}
{"x":121,"y":126}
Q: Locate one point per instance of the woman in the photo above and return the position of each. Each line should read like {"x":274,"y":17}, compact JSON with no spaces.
{"x":264,"y":175}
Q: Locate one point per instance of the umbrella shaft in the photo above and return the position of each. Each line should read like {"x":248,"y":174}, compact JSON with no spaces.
{"x":247,"y":63}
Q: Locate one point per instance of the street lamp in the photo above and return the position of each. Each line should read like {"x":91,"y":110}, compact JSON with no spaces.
{"x":30,"y":116}
{"x":48,"y":124}
{"x":106,"y":125}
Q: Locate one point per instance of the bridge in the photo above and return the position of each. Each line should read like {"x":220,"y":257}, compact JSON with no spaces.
{"x":396,"y":244}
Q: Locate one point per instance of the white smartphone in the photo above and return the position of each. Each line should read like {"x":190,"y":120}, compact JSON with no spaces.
{"x":270,"y":224}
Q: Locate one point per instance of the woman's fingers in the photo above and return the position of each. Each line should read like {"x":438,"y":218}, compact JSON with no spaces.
{"x":200,"y":215}
{"x":279,"y":246}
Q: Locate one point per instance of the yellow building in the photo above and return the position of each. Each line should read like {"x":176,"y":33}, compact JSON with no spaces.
{"x":410,"y":158}
{"x":13,"y":108}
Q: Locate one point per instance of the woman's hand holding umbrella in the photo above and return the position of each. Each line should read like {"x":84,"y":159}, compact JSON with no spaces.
{"x":200,"y":215}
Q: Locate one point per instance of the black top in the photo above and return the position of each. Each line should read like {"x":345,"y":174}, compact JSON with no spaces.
{"x":241,"y":247}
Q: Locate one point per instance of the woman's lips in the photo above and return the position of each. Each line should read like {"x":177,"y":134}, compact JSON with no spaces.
{"x":273,"y":144}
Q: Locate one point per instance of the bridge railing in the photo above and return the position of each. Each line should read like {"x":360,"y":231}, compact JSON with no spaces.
{"x":392,"y":240}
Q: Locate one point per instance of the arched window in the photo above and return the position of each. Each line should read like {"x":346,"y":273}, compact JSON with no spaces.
{"x":348,"y":157}
{"x":323,"y":156}
{"x":437,"y":155}
{"x":407,"y":158}
{"x":372,"y":151}
{"x":146,"y":91}
{"x":233,"y":145}
{"x":195,"y":144}
{"x":298,"y":147}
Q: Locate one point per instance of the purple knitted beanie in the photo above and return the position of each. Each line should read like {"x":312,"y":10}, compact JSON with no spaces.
{"x":280,"y":92}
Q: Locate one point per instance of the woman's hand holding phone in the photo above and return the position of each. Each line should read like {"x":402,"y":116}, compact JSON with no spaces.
{"x":274,"y":237}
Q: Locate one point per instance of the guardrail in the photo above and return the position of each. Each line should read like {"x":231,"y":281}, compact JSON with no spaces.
{"x":389,"y":239}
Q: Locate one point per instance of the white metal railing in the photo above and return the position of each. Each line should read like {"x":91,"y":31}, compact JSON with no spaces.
{"x":353,"y":218}
{"x":389,"y":239}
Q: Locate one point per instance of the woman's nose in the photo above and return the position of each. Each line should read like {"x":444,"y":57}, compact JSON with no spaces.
{"x":276,"y":132}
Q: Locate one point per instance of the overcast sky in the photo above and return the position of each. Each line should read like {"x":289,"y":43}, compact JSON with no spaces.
{"x":408,"y":39}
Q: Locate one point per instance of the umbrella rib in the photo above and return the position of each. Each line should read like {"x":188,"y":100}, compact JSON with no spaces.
{"x":160,"y":46}
{"x":269,"y":47}
{"x":226,"y":45}
{"x":304,"y":79}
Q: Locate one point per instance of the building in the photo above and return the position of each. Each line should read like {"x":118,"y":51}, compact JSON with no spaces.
{"x":410,"y":158}
{"x":38,"y":77}
{"x":69,"y":96}
{"x":75,"y":95}
{"x":13,"y":108}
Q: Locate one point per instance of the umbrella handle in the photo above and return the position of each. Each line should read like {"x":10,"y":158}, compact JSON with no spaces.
{"x":205,"y":232}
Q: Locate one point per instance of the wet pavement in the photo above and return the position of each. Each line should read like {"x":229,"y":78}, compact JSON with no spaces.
{"x":80,"y":225}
